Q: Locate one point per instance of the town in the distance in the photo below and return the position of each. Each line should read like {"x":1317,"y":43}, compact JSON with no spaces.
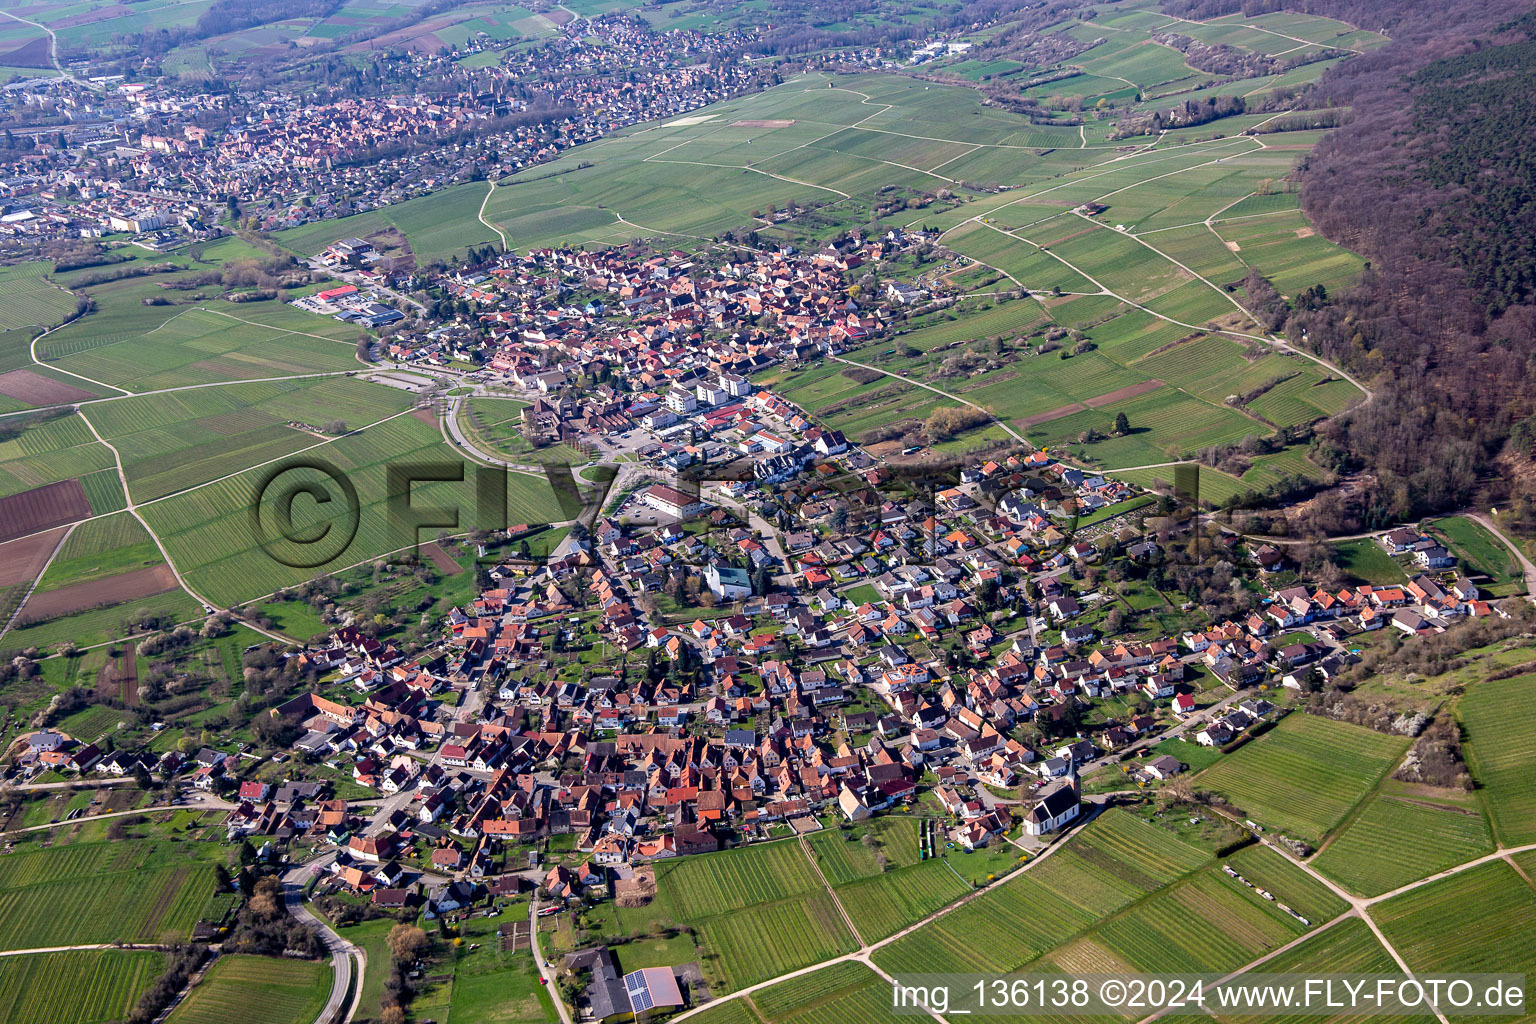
{"x":656,"y":511}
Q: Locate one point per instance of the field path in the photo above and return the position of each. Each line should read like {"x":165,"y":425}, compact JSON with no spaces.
{"x":1153,"y":156}
{"x":247,"y":469}
{"x":1268,"y":339}
{"x":810,"y":855}
{"x":38,"y":579}
{"x":305,"y":334}
{"x":1248,"y":24}
{"x":756,"y":170}
{"x":1272,"y":339}
{"x":954,"y":398}
{"x":864,"y":953}
{"x":179,"y":387}
{"x":53,"y":51}
{"x":212,"y":804}
{"x":133,"y":510}
{"x":32,"y":350}
{"x":95,"y":945}
{"x":1358,"y":907}
{"x":1298,"y":940}
{"x":490,"y":190}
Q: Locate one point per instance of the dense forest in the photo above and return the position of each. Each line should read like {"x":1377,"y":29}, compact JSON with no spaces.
{"x":1432,"y":179}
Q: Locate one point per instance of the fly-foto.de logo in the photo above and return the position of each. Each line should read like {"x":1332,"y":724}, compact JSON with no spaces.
{"x":306,"y":513}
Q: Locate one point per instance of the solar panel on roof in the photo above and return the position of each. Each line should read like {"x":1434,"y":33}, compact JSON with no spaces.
{"x":639,"y":992}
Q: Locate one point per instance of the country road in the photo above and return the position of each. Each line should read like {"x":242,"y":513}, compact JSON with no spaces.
{"x":342,"y":951}
{"x":213,"y":805}
{"x":545,"y":970}
{"x":1525,"y":563}
{"x":53,"y":51}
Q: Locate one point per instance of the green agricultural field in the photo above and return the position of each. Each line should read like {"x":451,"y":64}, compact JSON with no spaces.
{"x":210,"y":538}
{"x":1367,"y":562}
{"x":845,"y":993}
{"x":1304,"y":893}
{"x":161,"y":347}
{"x":1191,"y":754}
{"x":180,"y":440}
{"x":54,"y":449}
{"x":11,"y":74}
{"x":94,"y":722}
{"x":103,"y":892}
{"x":747,"y":946}
{"x":1209,"y":922}
{"x":438,"y":226}
{"x":98,"y":625}
{"x":1113,"y":862}
{"x":29,"y":299}
{"x":1268,"y":470}
{"x":78,"y":987}
{"x":1481,"y":553}
{"x":1346,"y":948}
{"x":104,"y":491}
{"x":695,"y":888}
{"x":1215,"y":486}
{"x":890,"y":901}
{"x":1503,"y":759}
{"x":847,"y":856}
{"x":1398,"y":839}
{"x":1481,"y":919}
{"x":756,"y":912}
{"x":1303,"y":776}
{"x":101,"y":548}
{"x":1023,"y":262}
{"x":808,"y":144}
{"x":838,"y":146}
{"x":500,"y":988}
{"x":1287,"y":250}
{"x":257,"y":989}
{"x":371,"y":936}
{"x":736,"y":1011}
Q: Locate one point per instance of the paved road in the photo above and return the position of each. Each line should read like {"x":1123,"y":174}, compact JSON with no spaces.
{"x":1525,"y":563}
{"x":544,"y":968}
{"x":342,"y":951}
{"x":468,"y":711}
{"x":362,"y":283}
{"x":1481,"y":518}
{"x":764,"y":530}
{"x":456,"y":435}
{"x":31,"y":787}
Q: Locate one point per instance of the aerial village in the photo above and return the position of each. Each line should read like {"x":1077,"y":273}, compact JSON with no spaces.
{"x":160,"y":163}
{"x":763,"y":629}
